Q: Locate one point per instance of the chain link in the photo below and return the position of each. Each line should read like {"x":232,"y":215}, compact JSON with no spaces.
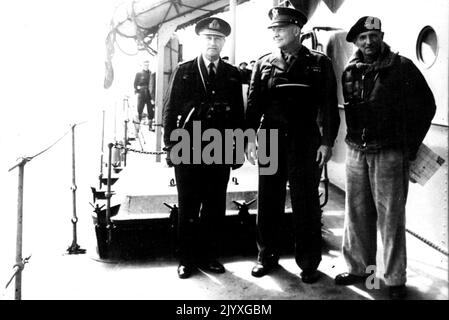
{"x":119,"y":146}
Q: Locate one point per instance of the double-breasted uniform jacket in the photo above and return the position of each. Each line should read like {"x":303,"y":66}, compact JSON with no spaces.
{"x":201,"y":187}
{"x":190,"y":98}
{"x":295,"y":98}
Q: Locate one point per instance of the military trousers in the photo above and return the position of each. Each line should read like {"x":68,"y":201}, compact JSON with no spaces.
{"x":144,"y":98}
{"x":202,"y":208}
{"x":297,"y":165}
{"x":376,"y":194}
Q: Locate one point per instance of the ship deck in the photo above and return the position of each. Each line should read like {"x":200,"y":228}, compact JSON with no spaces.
{"x":52,"y":274}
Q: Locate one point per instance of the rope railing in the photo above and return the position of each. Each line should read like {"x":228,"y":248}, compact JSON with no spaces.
{"x":28,"y":159}
{"x":21,"y":162}
{"x":74,"y":248}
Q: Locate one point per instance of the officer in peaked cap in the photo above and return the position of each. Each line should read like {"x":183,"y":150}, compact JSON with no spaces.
{"x":204,"y":93}
{"x":213,"y":26}
{"x":364,"y":24}
{"x":289,"y":89}
{"x":281,"y":16}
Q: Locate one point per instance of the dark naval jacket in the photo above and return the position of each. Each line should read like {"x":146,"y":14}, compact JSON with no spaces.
{"x":142,"y":81}
{"x":299,"y":99}
{"x":387,"y":103}
{"x":190,"y":99}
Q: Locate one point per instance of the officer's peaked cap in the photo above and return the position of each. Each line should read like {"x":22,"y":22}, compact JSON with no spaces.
{"x":213,"y":26}
{"x":364,"y":24}
{"x":281,"y":16}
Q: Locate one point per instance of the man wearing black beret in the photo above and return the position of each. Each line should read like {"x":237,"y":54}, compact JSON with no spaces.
{"x":204,"y":93}
{"x":294,"y":91}
{"x":389,"y":108}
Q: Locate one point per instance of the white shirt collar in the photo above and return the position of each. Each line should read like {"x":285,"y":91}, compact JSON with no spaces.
{"x":207,"y":62}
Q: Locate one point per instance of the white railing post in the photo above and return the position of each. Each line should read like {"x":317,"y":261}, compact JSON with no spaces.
{"x":74,"y":248}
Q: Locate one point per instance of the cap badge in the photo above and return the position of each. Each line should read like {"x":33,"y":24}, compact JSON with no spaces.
{"x":275,"y":14}
{"x":372,"y":23}
{"x":214,"y":25}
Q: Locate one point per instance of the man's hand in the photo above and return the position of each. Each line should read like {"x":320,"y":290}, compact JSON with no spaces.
{"x":251,"y":152}
{"x":323,"y":154}
{"x":168,"y":159}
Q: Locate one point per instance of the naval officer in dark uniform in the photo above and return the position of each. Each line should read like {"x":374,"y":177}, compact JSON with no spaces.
{"x":142,"y":89}
{"x":205,"y":91}
{"x":294,"y":91}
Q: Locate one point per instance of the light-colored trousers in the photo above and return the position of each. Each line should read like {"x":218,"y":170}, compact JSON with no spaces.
{"x":376,"y":194}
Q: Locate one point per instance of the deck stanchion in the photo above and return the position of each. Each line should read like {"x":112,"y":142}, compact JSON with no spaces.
{"x":125,"y":135}
{"x":108,"y":195}
{"x":74,"y":248}
{"x":125,"y":142}
{"x":20,"y":263}
{"x":102,"y":151}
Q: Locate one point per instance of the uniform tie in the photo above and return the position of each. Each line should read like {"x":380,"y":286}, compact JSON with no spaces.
{"x":211,"y":72}
{"x":289,"y":59}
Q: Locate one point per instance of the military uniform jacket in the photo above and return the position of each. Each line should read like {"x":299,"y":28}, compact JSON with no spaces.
{"x":298,"y":98}
{"x":187,"y":99}
{"x":142,"y":80}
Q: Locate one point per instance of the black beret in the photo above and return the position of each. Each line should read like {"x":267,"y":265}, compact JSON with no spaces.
{"x":364,"y":24}
{"x":215,"y":26}
{"x":280,"y":16}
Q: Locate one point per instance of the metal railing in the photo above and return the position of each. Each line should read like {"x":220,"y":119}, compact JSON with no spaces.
{"x":74,"y":248}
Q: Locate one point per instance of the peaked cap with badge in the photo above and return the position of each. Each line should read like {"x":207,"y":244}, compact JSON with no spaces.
{"x":281,"y":16}
{"x":364,"y":24}
{"x":213,"y":26}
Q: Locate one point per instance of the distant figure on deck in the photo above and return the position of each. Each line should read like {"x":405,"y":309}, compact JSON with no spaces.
{"x":244,"y":72}
{"x":142,"y":89}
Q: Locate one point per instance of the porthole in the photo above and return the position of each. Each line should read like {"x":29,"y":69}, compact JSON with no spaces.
{"x":427,"y":46}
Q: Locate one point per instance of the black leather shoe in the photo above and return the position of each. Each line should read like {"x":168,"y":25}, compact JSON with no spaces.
{"x":184,"y":271}
{"x":397,"y":292}
{"x":347,"y":279}
{"x":213,"y":266}
{"x":260,"y":269}
{"x":310,"y":276}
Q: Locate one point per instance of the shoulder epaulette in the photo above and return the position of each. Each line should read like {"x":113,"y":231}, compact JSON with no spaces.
{"x":318,"y":52}
{"x":185,"y":62}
